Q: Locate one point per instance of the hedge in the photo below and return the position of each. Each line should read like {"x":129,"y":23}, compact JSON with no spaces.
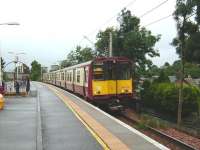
{"x":163,"y":97}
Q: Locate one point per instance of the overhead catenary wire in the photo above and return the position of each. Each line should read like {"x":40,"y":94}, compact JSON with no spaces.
{"x":111,"y":18}
{"x":154,"y":8}
{"x":129,"y":4}
{"x":163,"y":18}
{"x":107,"y":21}
{"x":191,"y":15}
{"x":156,"y":21}
{"x":144,"y":14}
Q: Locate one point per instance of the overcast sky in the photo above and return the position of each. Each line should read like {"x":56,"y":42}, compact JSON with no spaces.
{"x":50,"y":29}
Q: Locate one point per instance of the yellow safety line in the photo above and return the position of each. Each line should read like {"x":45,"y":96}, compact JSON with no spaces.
{"x":95,"y":135}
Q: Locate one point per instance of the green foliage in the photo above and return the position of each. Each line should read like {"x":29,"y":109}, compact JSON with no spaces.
{"x":79,"y":55}
{"x":141,"y":125}
{"x":162,"y":77}
{"x":150,"y":121}
{"x":26,"y":69}
{"x":192,"y":52}
{"x":85,"y":54}
{"x":130,"y":40}
{"x":35,"y":71}
{"x":5,"y":77}
{"x":188,"y":37}
{"x":163,"y":97}
{"x":65,"y":63}
{"x":191,"y":69}
{"x":102,"y":43}
{"x":2,"y":63}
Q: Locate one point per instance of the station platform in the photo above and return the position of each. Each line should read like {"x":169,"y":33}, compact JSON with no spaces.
{"x":57,"y":119}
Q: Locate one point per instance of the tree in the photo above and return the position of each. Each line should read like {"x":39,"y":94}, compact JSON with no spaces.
{"x":26,"y":69}
{"x":2,"y":69}
{"x":102,"y":43}
{"x":65,"y":63}
{"x":192,"y":53}
{"x":188,"y":37}
{"x":166,"y":64}
{"x":35,"y":71}
{"x":79,"y":55}
{"x":130,"y":40}
{"x":162,"y":77}
{"x":2,"y":63}
{"x":186,"y":30}
{"x":153,"y":71}
{"x":86,"y":54}
{"x":191,"y":69}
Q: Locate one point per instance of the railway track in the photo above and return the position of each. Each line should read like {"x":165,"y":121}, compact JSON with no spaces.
{"x":174,"y":143}
{"x":170,"y":141}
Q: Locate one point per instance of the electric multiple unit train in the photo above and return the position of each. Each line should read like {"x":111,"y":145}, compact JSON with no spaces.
{"x":103,"y":81}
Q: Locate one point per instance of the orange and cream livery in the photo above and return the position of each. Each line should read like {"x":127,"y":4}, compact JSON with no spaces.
{"x":102,"y":80}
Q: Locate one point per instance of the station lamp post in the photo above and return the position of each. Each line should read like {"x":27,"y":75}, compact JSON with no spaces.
{"x":1,"y":73}
{"x":16,"y":60}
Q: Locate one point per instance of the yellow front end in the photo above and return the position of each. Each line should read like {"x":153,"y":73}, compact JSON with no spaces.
{"x":124,"y":86}
{"x":111,"y":87}
{"x":107,"y":87}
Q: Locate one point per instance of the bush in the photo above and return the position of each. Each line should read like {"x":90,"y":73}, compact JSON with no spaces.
{"x":162,"y":77}
{"x":163,"y":97}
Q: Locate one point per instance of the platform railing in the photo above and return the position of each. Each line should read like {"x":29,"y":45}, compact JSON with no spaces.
{"x":10,"y":88}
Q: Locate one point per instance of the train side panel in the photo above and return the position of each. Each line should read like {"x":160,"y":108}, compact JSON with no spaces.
{"x":79,"y":81}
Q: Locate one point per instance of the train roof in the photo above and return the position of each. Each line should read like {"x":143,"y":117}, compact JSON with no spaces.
{"x":72,"y":67}
{"x":111,"y":58}
{"x":89,"y":62}
{"x":78,"y":65}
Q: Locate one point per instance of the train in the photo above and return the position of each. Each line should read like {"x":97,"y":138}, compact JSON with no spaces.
{"x":103,"y":81}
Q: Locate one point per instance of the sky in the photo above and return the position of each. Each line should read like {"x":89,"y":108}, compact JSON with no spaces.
{"x":50,"y":29}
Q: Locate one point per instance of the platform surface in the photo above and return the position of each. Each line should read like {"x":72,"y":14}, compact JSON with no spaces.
{"x":18,"y":124}
{"x":61,"y":130}
{"x":60,"y":127}
{"x":126,"y":134}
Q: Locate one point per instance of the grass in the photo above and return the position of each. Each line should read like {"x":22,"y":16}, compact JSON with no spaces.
{"x":152,"y":122}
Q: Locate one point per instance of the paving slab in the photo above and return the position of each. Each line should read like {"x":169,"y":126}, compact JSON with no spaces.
{"x":18,"y":124}
{"x":61,"y":129}
{"x":128,"y":135}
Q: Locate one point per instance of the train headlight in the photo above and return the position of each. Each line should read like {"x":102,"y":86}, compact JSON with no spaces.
{"x":97,"y":92}
{"x":124,"y":90}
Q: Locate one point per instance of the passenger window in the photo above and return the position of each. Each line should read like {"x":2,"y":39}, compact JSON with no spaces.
{"x":62,"y":76}
{"x":70,"y":77}
{"x":78,"y":76}
{"x":65,"y":75}
{"x":86,"y":76}
{"x":98,"y":71}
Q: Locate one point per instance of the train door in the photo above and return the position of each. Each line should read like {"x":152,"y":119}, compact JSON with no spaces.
{"x":54,"y":75}
{"x":110,"y":77}
{"x":84,"y":81}
{"x":66,"y":79}
{"x":124,"y":78}
{"x":73,"y":80}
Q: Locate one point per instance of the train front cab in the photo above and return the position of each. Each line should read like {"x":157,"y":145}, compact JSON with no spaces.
{"x":112,"y":80}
